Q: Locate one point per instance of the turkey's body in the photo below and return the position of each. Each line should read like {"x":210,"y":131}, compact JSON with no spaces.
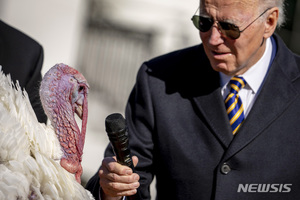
{"x":30,"y":152}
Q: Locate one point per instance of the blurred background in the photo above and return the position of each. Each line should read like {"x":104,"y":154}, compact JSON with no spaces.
{"x":108,"y":41}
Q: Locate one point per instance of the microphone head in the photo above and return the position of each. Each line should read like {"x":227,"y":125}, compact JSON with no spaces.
{"x":115,"y":123}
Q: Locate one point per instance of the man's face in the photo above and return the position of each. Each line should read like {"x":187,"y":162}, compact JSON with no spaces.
{"x":233,"y":57}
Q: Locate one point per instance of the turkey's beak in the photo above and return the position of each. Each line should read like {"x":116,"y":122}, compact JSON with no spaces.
{"x":78,"y":111}
{"x":79,"y":96}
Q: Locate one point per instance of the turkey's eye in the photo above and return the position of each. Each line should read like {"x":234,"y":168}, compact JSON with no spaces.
{"x":81,"y":88}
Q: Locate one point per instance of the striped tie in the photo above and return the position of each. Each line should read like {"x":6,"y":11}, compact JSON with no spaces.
{"x":234,"y":104}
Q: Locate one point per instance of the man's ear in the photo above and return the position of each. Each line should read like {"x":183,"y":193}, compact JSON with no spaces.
{"x":271,"y":22}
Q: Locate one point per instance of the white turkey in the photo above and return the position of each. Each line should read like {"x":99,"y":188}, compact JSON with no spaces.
{"x":39,"y":161}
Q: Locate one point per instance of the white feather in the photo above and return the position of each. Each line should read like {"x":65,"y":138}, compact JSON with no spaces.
{"x":30,"y":152}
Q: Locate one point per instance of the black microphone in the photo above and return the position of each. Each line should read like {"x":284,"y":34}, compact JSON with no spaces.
{"x":117,"y":133}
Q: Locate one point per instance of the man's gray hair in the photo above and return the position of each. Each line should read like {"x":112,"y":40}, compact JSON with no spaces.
{"x":275,"y":3}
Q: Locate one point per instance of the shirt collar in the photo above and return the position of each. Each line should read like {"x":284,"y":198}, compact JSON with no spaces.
{"x":255,"y":75}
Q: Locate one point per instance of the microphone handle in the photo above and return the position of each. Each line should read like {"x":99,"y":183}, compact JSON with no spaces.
{"x":120,"y":144}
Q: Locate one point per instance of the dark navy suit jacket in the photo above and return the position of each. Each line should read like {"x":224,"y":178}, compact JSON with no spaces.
{"x":180,"y":131}
{"x":22,"y":58}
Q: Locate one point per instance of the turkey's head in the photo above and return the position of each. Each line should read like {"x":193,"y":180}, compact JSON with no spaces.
{"x":63,"y":93}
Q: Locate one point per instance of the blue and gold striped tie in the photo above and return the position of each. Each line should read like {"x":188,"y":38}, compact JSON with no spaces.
{"x":234,"y":104}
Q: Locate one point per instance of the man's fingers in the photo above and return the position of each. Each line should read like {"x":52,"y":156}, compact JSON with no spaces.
{"x":118,"y":189}
{"x":123,"y":178}
{"x":113,"y":177}
{"x":118,"y":180}
{"x":112,"y":166}
{"x":135,"y":160}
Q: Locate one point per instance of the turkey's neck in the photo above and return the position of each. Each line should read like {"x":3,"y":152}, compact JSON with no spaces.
{"x":70,"y":138}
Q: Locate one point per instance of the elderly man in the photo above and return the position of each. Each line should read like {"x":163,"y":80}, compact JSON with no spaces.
{"x":219,"y":120}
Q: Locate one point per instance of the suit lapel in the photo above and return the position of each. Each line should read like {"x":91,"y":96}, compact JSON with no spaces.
{"x":268,"y":106}
{"x":213,"y":109}
{"x":208,"y":99}
{"x":275,"y":97}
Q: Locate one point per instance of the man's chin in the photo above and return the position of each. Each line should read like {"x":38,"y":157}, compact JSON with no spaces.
{"x":221,"y":67}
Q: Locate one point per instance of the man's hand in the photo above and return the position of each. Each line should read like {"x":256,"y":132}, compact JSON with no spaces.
{"x":117,"y":180}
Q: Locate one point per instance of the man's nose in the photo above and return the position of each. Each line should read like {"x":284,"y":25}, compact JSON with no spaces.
{"x":215,"y":35}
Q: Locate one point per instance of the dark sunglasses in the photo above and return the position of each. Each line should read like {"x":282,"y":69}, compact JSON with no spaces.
{"x":231,"y":31}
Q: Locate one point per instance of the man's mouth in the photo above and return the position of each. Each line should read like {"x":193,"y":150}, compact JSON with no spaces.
{"x":220,"y":55}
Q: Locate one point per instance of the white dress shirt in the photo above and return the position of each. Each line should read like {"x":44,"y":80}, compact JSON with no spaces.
{"x":254,"y":77}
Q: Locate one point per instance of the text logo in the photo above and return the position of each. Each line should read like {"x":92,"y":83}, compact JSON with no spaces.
{"x":264,"y":188}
